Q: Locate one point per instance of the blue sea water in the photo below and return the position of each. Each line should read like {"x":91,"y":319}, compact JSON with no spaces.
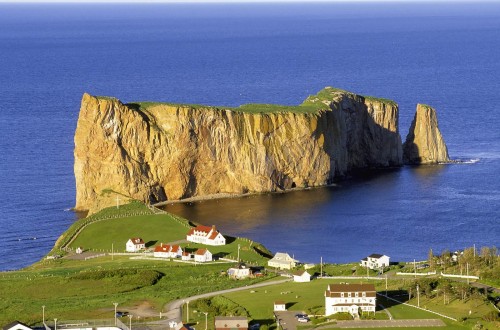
{"x":445,"y":55}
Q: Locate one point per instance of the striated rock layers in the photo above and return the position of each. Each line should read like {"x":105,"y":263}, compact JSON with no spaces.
{"x":157,"y":152}
{"x":424,"y":143}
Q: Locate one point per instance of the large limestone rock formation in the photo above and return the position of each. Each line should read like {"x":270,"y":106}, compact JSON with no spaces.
{"x":157,"y":152}
{"x":424,"y":143}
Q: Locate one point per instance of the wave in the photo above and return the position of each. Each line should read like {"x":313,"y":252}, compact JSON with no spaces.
{"x":462,"y":161}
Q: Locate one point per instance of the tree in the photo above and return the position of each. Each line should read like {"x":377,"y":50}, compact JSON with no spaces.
{"x":432,"y":261}
{"x":445,"y":258}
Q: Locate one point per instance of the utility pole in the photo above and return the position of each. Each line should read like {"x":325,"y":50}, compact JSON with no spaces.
{"x":117,"y":201}
{"x":238,"y":253}
{"x":418,"y":296}
{"x":206,"y":320}
{"x":43,"y":314}
{"x":130,"y":321}
{"x":321,"y":266}
{"x":187,"y":311}
{"x":115,"y":304}
{"x":467,"y":273}
{"x":55,"y":324}
{"x":386,"y":284}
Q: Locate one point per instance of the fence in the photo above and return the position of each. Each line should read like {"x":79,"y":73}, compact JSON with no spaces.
{"x":416,"y":274}
{"x":460,"y":276}
{"x":427,"y":310}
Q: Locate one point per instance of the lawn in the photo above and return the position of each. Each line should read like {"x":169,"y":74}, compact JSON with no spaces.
{"x":153,"y":229}
{"x":87,"y":289}
{"x":309,"y":297}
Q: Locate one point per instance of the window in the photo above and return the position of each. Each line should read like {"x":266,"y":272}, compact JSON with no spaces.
{"x":349,"y":295}
{"x":356,"y":294}
{"x":342,"y":294}
{"x":364,"y":294}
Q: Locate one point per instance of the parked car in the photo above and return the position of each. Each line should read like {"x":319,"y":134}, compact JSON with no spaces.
{"x":255,"y":326}
{"x":303,"y":319}
{"x":121,"y":314}
{"x":301,"y":315}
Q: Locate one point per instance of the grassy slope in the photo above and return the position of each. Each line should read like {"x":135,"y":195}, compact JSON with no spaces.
{"x":67,"y":297}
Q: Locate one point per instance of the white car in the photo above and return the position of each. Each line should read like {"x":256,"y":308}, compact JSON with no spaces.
{"x":303,"y":319}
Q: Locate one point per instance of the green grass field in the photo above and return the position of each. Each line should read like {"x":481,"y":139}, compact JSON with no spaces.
{"x":153,"y":229}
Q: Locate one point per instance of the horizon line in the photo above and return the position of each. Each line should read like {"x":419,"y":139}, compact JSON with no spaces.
{"x":241,"y":1}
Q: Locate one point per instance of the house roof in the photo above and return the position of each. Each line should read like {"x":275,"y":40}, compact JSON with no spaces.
{"x":16,"y":325}
{"x":334,"y":290}
{"x":375,"y":255}
{"x":201,"y":252}
{"x":162,"y":248}
{"x":137,"y":240}
{"x":185,"y":253}
{"x":279,"y":302}
{"x":175,"y":248}
{"x":301,"y":272}
{"x":203,"y":229}
{"x":231,"y":322}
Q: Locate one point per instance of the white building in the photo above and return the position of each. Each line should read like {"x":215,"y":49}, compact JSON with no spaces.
{"x":231,"y":322}
{"x":375,"y":261}
{"x":205,"y":235}
{"x":282,"y":261}
{"x":186,"y":256}
{"x":79,"y":250}
{"x":301,"y":276}
{"x":202,"y":255}
{"x":350,"y":298}
{"x":135,"y":244}
{"x":167,"y":251}
{"x":240,"y":271}
{"x":279,"y":306}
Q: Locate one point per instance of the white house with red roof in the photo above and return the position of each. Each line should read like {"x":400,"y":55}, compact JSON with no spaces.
{"x":167,"y":251}
{"x":350,"y":298}
{"x":205,"y":235}
{"x":186,"y":256}
{"x":135,"y":244}
{"x":202,"y":255}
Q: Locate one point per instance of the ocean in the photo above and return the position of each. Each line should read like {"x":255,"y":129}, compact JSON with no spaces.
{"x":445,"y":55}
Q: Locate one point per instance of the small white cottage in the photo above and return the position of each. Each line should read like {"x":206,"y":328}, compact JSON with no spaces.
{"x":279,"y":306}
{"x":202,"y":255}
{"x":301,"y":276}
{"x":135,"y":244}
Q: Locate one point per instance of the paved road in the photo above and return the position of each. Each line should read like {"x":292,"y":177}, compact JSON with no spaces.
{"x":174,"y":311}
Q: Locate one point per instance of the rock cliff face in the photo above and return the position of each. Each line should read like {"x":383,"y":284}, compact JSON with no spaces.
{"x":157,"y":152}
{"x":424,"y":143}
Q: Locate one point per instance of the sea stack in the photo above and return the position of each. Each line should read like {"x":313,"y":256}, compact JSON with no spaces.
{"x":156,"y":152}
{"x":424,"y":143}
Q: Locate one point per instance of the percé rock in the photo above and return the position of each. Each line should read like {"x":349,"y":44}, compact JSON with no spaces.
{"x":157,"y":152}
{"x":424,"y":143}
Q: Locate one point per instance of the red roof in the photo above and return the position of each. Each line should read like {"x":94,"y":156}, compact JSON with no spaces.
{"x":175,"y":248}
{"x":203,"y":229}
{"x":201,"y":252}
{"x":137,"y":240}
{"x":162,"y":248}
{"x":185,"y":253}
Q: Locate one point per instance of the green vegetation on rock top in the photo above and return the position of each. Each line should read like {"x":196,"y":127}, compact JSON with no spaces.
{"x":313,"y":104}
